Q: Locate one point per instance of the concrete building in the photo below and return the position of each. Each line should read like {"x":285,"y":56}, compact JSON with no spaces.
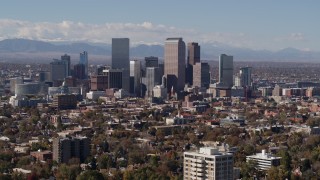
{"x":264,"y":160}
{"x":226,"y":70}
{"x":208,"y":163}
{"x":277,"y":90}
{"x":94,"y":95}
{"x":201,"y":75}
{"x":74,"y":147}
{"x":135,"y":77}
{"x":160,"y":92}
{"x":174,"y":64}
{"x":41,"y":155}
{"x":84,"y":61}
{"x":192,"y":58}
{"x":120,"y":59}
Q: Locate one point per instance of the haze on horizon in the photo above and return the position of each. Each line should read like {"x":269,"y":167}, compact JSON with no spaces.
{"x":270,"y":25}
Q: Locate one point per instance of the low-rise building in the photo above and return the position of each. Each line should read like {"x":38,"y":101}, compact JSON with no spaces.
{"x":264,"y":160}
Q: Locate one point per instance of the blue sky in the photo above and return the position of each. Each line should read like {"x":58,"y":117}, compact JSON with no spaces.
{"x":271,"y":24}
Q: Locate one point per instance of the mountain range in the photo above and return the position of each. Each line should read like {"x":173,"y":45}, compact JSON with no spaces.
{"x":24,"y":50}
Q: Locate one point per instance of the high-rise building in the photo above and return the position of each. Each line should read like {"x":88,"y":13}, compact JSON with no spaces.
{"x":79,"y":71}
{"x":192,"y":58}
{"x":151,"y":80}
{"x":174,"y":63}
{"x":66,"y":148}
{"x":111,"y":78}
{"x":120,"y":60}
{"x":208,"y":163}
{"x":245,"y":76}
{"x":135,"y":77}
{"x":14,"y":82}
{"x":64,"y":101}
{"x":44,"y":76}
{"x":67,"y":60}
{"x":58,"y":70}
{"x":84,"y":61}
{"x":226,"y":71}
{"x":193,"y":53}
{"x":201,"y":75}
{"x":151,"y":61}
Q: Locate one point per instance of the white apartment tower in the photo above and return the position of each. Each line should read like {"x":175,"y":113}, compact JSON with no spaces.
{"x":208,"y":163}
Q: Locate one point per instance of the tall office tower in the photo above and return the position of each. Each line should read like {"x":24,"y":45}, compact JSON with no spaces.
{"x":193,"y":53}
{"x":58,"y":70}
{"x":79,"y":71}
{"x":67,"y":58}
{"x":120,"y":60}
{"x":66,"y":148}
{"x":208,"y":163}
{"x":226,"y":70}
{"x":201,"y":75}
{"x":192,"y":58}
{"x":245,"y":76}
{"x":151,"y":61}
{"x":135,"y":77}
{"x":151,"y":80}
{"x":174,"y":63}
{"x":84,"y":61}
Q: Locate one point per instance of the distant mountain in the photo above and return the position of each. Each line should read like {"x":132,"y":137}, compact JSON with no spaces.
{"x":23,"y":50}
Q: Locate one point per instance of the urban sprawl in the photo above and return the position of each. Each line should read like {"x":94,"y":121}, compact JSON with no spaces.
{"x":171,"y":117}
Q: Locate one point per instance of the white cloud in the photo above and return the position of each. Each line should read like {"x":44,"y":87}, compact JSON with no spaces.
{"x":291,"y":37}
{"x":145,"y":32}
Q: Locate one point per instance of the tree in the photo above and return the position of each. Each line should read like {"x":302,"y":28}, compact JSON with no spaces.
{"x":68,"y":172}
{"x":248,"y":169}
{"x":105,"y":161}
{"x":90,"y":175}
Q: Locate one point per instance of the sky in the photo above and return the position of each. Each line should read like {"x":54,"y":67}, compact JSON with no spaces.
{"x":269,"y":25}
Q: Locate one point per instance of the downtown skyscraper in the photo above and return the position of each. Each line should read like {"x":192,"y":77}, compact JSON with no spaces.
{"x":192,"y":59}
{"x":120,"y":60}
{"x":135,"y":77}
{"x":226,"y":71}
{"x":84,"y":61}
{"x":174,"y":63}
{"x":245,"y":76}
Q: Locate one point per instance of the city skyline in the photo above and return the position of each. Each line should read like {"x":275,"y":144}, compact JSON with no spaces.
{"x":268,"y":25}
